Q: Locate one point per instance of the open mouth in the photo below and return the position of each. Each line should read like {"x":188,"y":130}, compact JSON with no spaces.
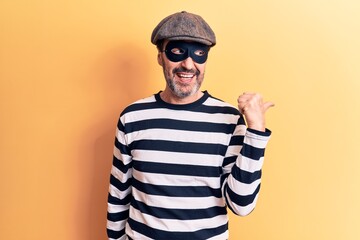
{"x":185,"y":76}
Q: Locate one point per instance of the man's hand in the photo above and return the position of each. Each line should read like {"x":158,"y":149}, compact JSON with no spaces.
{"x":251,"y":105}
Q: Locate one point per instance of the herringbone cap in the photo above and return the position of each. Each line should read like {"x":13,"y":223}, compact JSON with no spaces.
{"x":184,"y":26}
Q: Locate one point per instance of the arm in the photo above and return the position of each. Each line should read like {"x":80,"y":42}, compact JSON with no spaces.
{"x":120,"y":187}
{"x":243,"y":171}
{"x":244,"y":159}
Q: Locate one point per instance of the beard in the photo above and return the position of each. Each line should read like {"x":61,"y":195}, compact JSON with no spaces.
{"x":183,"y":90}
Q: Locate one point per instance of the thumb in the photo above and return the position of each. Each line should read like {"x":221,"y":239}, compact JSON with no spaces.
{"x":268,"y":105}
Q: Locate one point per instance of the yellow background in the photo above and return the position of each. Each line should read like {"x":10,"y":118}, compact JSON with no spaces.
{"x":67,"y":69}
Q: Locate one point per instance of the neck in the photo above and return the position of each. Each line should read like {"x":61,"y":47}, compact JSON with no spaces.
{"x":168,"y":97}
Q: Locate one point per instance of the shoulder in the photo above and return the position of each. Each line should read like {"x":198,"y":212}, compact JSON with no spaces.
{"x":221,"y":105}
{"x":141,"y":104}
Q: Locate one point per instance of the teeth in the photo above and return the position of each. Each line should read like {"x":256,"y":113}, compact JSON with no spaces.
{"x":185,"y":76}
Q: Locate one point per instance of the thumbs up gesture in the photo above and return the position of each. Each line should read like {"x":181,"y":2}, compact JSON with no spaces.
{"x":252,"y":106}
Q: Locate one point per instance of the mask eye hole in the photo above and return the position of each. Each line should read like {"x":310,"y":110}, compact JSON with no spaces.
{"x":177,"y":51}
{"x":200,"y":53}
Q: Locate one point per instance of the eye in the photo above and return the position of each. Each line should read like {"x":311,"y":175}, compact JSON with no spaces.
{"x":177,"y":51}
{"x":199,"y":53}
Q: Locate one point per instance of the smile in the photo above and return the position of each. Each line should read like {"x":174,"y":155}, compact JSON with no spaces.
{"x":183,"y":75}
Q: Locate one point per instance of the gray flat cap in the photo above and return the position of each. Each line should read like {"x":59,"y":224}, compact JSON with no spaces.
{"x":184,"y":26}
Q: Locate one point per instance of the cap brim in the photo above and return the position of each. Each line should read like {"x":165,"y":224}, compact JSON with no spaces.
{"x":193,"y":39}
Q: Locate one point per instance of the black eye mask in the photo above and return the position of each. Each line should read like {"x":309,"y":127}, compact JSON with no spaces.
{"x":177,"y":51}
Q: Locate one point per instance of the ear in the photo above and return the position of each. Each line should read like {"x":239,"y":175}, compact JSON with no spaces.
{"x":159,"y":59}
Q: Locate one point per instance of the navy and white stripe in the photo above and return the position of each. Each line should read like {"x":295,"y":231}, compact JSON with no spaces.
{"x":176,"y":169}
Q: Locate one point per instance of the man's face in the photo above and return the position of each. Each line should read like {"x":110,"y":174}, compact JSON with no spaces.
{"x":185,"y":71}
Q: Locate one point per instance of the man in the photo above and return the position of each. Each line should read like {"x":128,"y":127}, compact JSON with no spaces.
{"x":181,"y":156}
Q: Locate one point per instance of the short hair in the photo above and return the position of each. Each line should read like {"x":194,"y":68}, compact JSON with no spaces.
{"x":160,"y":45}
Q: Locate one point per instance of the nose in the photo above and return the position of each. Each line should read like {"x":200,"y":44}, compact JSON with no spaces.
{"x":188,"y":63}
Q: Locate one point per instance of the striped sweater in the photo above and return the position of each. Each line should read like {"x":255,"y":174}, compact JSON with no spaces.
{"x":177,"y":168}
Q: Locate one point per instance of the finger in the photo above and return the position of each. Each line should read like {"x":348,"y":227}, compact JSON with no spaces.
{"x":244,"y":97}
{"x":268,"y":105}
{"x":243,"y":109}
{"x":242,"y":106}
{"x":247,"y":94}
{"x":242,"y":100}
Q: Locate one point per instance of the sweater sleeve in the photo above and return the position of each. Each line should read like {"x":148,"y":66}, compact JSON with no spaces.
{"x":120,"y":187}
{"x":242,"y":168}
